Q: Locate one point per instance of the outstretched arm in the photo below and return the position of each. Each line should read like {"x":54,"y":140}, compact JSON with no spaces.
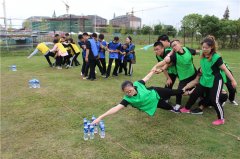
{"x":109,"y":112}
{"x":33,"y":53}
{"x":148,"y":76}
{"x":229,"y":75}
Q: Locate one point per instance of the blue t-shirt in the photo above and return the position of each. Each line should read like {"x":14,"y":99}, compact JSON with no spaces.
{"x":102,"y":51}
{"x":131,"y":47}
{"x":114,"y":46}
{"x":83,"y":50}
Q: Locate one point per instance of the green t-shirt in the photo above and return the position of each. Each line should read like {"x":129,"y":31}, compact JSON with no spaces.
{"x":208,"y":77}
{"x":145,"y":100}
{"x":184,"y":64}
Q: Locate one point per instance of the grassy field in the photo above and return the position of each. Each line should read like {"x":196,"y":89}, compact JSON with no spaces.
{"x":47,"y":122}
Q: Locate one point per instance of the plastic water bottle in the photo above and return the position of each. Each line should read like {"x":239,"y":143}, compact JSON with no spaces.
{"x":85,"y":121}
{"x":91,"y":132}
{"x":85,"y":132}
{"x":95,"y":125}
{"x":88,"y":125}
{"x":102,"y":129}
{"x":14,"y":68}
{"x":34,"y":84}
{"x":30,"y":83}
{"x":37,"y":82}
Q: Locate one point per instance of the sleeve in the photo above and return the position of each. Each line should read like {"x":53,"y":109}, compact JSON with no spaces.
{"x":219,"y":62}
{"x":193,"y":51}
{"x":88,"y":46}
{"x":142,"y":82}
{"x":119,"y":47}
{"x":133,"y":48}
{"x":124,"y":102}
{"x":173,"y":58}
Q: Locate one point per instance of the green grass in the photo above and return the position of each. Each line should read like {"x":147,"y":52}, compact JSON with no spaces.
{"x":46,"y":122}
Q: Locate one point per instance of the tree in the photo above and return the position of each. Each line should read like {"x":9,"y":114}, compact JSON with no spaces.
{"x":110,"y":29}
{"x":191,"y":24}
{"x":146,"y":29}
{"x":169,"y":30}
{"x":157,"y":29}
{"x":209,"y":26}
{"x":226,"y":14}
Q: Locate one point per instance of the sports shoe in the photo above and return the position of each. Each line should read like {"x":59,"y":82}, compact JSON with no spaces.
{"x":175,"y":111}
{"x":184,"y":110}
{"x":223,"y":104}
{"x":218,"y":122}
{"x":59,"y":67}
{"x":197,"y":111}
{"x":176,"y":107}
{"x":234,"y":102}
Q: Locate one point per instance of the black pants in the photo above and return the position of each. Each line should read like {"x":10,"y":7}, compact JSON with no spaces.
{"x":66,"y":59}
{"x":74,"y":59}
{"x":92,"y":65}
{"x":48,"y":59}
{"x":85,"y":68}
{"x":181,"y":85}
{"x":166,"y":93}
{"x":123,"y":66}
{"x":173,"y":78}
{"x":232,"y":91}
{"x":205,"y":101}
{"x":59,"y":60}
{"x":110,"y":66}
{"x":103,"y":64}
{"x":213,"y":94}
{"x":99,"y":66}
{"x":130,"y":67}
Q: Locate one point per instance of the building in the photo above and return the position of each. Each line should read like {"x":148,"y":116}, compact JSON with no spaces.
{"x":65,"y":23}
{"x":128,"y":21}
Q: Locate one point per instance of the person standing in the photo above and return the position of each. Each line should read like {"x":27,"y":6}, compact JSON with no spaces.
{"x":92,"y":50}
{"x":82,"y":42}
{"x":113,"y":49}
{"x":131,"y":55}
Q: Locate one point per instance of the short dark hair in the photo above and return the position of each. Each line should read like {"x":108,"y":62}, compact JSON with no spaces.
{"x":173,"y":41}
{"x":101,"y":36}
{"x":94,"y":35}
{"x":126,"y":84}
{"x":56,"y":35}
{"x":158,"y":43}
{"x":163,"y":37}
{"x":71,"y":40}
{"x":80,"y":36}
{"x":85,"y":33}
{"x":67,"y":34}
{"x":116,"y":38}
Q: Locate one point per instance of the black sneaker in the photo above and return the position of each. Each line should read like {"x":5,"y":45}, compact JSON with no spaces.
{"x":197,"y":111}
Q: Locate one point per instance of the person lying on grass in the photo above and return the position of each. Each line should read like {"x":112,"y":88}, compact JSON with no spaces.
{"x":146,"y":99}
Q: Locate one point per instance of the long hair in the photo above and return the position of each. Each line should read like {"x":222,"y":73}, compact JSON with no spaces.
{"x":210,"y":41}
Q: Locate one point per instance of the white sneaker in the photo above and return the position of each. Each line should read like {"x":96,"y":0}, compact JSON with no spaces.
{"x":177,"y":107}
{"x":223,"y":104}
{"x":59,"y":68}
{"x":234,"y":102}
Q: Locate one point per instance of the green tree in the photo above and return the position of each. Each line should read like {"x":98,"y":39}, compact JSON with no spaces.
{"x":169,"y":30}
{"x":226,"y":14}
{"x":123,"y":30}
{"x":191,"y":23}
{"x":157,"y":29}
{"x":110,"y":29}
{"x":146,"y":29}
{"x":210,"y":26}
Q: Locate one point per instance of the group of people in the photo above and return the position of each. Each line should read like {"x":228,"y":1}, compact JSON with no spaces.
{"x":175,"y":61}
{"x":94,"y":49}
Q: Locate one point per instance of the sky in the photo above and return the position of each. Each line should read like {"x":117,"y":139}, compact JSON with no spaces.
{"x":169,"y":12}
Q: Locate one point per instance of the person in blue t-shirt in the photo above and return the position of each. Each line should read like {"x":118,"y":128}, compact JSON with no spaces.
{"x":103,"y":45}
{"x":82,"y":43}
{"x":113,"y":49}
{"x":123,"y":59}
{"x":131,"y":54}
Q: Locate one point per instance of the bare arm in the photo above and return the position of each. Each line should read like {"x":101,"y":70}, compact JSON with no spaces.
{"x":192,"y":84}
{"x":229,"y":75}
{"x":87,"y":53}
{"x":109,"y":112}
{"x":148,"y":76}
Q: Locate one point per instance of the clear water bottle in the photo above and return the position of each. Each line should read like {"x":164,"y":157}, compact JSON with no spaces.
{"x":85,"y":121}
{"x":85,"y":132}
{"x":95,"y":125}
{"x":30,"y":83}
{"x":88,"y":125}
{"x":91,"y":132}
{"x":102,"y":130}
{"x":14,"y":68}
{"x":37,"y":82}
{"x":34,"y":83}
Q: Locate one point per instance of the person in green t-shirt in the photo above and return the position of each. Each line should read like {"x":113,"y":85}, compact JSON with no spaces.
{"x":211,"y":81}
{"x":146,"y":99}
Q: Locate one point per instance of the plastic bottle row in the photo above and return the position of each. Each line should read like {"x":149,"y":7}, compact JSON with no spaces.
{"x":90,"y":130}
